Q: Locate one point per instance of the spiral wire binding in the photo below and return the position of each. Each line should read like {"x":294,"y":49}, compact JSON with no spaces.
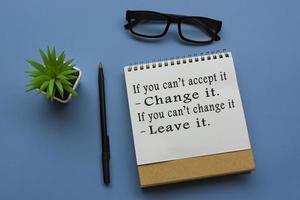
{"x":210,"y":55}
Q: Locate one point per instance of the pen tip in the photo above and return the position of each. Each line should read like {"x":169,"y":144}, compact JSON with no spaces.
{"x":100,"y":65}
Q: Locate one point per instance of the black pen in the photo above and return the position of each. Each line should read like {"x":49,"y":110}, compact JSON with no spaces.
{"x":104,"y":136}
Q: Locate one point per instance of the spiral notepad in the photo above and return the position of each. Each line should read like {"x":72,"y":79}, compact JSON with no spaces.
{"x":187,"y":119}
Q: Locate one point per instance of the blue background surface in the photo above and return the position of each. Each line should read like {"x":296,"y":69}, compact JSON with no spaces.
{"x":52,"y":151}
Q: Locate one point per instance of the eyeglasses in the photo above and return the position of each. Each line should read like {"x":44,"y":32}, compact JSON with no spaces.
{"x":193,"y":29}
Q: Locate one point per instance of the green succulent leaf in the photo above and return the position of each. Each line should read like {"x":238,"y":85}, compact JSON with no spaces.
{"x":30,"y":87}
{"x":67,"y":63}
{"x":43,"y":87}
{"x":61,"y":58}
{"x":62,"y":77}
{"x":67,"y":67}
{"x":70,"y":89}
{"x":50,"y":58}
{"x":70,"y":71}
{"x":65,"y":82}
{"x":36,"y":65}
{"x":59,"y":87}
{"x":33,"y":73}
{"x":51,"y":87}
{"x":53,"y":54}
{"x":54,"y":91}
{"x":48,"y":93}
{"x":44,"y":57}
{"x":71,"y":77}
{"x":48,"y":53}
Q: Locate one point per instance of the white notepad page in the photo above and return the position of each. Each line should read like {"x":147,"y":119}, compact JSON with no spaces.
{"x":185,"y":108}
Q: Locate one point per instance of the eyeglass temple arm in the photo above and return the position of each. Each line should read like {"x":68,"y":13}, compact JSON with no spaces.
{"x":138,"y":18}
{"x":211,"y":31}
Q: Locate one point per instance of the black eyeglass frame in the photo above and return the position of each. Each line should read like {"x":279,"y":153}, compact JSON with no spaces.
{"x":211,"y":26}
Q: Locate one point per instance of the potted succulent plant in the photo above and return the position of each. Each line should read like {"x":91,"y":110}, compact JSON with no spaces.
{"x":56,"y":77}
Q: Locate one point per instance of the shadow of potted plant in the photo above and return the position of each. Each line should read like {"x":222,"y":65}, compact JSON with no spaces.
{"x":57,"y":78}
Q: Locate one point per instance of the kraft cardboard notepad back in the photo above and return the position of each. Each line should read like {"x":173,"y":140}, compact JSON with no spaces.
{"x":187,"y":119}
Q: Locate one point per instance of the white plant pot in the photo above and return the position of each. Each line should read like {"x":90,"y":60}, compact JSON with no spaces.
{"x":74,"y":88}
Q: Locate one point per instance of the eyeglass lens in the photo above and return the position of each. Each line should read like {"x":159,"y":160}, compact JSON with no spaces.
{"x":150,"y":24}
{"x":192,"y":29}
